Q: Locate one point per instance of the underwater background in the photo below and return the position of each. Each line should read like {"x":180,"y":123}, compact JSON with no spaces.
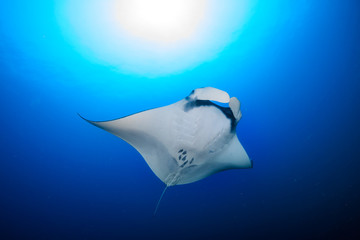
{"x":294,"y":66}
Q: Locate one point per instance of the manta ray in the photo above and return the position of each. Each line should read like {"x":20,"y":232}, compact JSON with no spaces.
{"x":188,"y":140}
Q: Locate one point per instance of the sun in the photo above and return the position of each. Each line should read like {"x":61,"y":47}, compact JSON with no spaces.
{"x":161,"y":21}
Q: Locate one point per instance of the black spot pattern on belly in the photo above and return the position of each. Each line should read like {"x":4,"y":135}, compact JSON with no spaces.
{"x":184,"y":164}
{"x":182,"y":158}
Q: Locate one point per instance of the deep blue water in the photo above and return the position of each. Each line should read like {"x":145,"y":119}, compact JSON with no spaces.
{"x":296,"y":70}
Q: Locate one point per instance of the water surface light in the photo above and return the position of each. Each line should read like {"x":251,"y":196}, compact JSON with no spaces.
{"x":152,"y":38}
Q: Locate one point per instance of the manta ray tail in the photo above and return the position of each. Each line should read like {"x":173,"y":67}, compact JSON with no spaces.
{"x":162,"y":194}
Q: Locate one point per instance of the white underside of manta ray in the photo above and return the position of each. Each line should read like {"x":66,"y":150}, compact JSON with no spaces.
{"x":186,"y":141}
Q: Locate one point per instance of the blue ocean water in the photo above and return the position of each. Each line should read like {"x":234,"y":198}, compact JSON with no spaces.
{"x":295,"y":67}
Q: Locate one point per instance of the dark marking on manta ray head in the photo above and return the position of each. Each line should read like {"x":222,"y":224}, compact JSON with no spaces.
{"x":206,"y":103}
{"x":180,"y":150}
{"x":184,"y":152}
{"x":188,"y":97}
{"x":191,"y":161}
{"x":184,"y":158}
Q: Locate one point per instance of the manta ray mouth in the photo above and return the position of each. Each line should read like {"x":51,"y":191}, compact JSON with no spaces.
{"x":206,"y":103}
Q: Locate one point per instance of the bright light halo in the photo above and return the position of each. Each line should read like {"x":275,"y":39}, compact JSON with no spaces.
{"x":152,"y":37}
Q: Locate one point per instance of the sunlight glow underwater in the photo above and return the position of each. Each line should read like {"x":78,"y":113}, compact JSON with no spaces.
{"x":152,"y":37}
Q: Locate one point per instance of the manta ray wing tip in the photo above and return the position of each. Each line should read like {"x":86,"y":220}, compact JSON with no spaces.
{"x":84,"y":118}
